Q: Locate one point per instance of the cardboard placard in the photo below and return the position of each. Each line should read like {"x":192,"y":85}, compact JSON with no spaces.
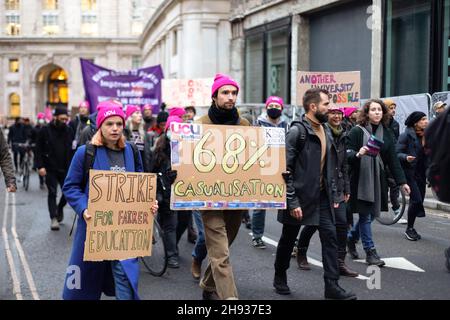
{"x":187,"y":92}
{"x":227,"y":167}
{"x":121,"y":226}
{"x":344,"y":87}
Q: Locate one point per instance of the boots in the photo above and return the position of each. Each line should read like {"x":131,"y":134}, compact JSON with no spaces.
{"x":335,"y":292}
{"x":302,"y":260}
{"x":344,"y":270}
{"x":280,"y":283}
{"x":373,"y":259}
{"x":351,"y":245}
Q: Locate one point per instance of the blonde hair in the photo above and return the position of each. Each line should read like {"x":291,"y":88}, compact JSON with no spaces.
{"x":129,"y":125}
{"x":99,"y":141}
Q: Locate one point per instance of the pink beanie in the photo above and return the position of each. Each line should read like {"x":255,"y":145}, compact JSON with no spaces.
{"x":147,"y":107}
{"x":222,"y":80}
{"x":177,"y":111}
{"x":109,"y":111}
{"x":335,"y":108}
{"x":41,"y":115}
{"x":173,"y":119}
{"x":109,"y":103}
{"x":132,"y":109}
{"x":84,"y":104}
{"x":275,"y":99}
{"x":348,"y":111}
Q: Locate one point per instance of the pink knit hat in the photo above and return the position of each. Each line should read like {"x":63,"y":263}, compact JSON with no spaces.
{"x":336,"y":108}
{"x":109,"y":103}
{"x":348,"y":111}
{"x":275,"y":99}
{"x":147,"y":107}
{"x":177,"y":111}
{"x":172,"y":119}
{"x":41,"y":115}
{"x":222,"y":80}
{"x":132,"y":109}
{"x":84,"y":104}
{"x":109,"y":111}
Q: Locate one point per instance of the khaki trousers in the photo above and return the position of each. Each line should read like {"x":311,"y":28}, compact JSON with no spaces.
{"x":221,"y":228}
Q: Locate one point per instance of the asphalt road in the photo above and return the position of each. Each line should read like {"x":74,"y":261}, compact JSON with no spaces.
{"x":33,"y":260}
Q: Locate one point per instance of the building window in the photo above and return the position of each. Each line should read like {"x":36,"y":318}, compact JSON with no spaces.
{"x":50,"y":5}
{"x":14,"y":105}
{"x":89,"y":23}
{"x":135,"y":62}
{"x":12,"y":4}
{"x":407,"y":49}
{"x":12,"y":24}
{"x":88,"y":5}
{"x":50,"y":23}
{"x":13,"y":65}
{"x":267,"y":64}
{"x":137,"y":21}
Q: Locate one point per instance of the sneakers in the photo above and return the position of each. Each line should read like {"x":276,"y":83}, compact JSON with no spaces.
{"x":280,"y":284}
{"x":54,"y":224}
{"x":402,"y":221}
{"x":412,"y":235}
{"x":60,"y":215}
{"x":196,"y":269}
{"x":258,"y":243}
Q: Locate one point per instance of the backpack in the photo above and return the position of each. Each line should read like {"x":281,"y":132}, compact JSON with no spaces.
{"x":437,"y":140}
{"x":88,"y":163}
{"x":302,"y":139}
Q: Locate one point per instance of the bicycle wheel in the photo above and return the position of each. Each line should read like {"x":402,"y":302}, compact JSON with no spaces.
{"x":391,"y":217}
{"x":156,"y":264}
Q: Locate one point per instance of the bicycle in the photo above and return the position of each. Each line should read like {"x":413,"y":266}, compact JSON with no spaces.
{"x":25,"y":167}
{"x":156,"y":264}
{"x":390,"y":217}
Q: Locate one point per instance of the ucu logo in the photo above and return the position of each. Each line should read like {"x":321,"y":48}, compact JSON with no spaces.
{"x":110,"y":113}
{"x":185,"y":128}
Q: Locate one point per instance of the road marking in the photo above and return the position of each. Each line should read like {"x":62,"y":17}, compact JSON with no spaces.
{"x":310,"y":260}
{"x":398,"y":263}
{"x":23,"y":259}
{"x":12,"y":267}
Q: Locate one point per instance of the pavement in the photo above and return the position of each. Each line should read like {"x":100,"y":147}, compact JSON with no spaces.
{"x":431,"y":202}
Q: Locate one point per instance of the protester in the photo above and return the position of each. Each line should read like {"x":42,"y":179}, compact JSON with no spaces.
{"x":310,"y":167}
{"x":410,"y":150}
{"x":147,"y":115}
{"x":221,"y":226}
{"x":80,"y":122}
{"x":134,"y":128}
{"x":33,"y":141}
{"x":439,"y":107}
{"x":54,"y":146}
{"x":16,"y":136}
{"x":272,"y":118}
{"x":151,"y":136}
{"x":371,"y":147}
{"x":350,"y":118}
{"x":119,"y":278}
{"x":6,"y":165}
{"x":190,"y":113}
{"x":340,"y":194}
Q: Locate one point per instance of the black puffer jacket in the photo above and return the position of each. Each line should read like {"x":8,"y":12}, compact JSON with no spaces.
{"x":303,"y":186}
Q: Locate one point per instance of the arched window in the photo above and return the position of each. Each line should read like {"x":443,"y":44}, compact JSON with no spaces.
{"x":14,"y":105}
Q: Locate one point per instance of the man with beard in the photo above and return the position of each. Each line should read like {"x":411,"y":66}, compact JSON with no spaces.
{"x":80,"y":122}
{"x":309,"y":181}
{"x":221,"y":226}
{"x":54,"y":145}
{"x":147,"y":115}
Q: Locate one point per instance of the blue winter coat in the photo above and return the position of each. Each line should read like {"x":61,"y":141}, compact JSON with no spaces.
{"x":95,"y":277}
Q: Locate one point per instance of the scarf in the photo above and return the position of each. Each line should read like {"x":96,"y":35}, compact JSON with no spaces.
{"x":336,"y":131}
{"x":222,"y":116}
{"x":369,"y":185}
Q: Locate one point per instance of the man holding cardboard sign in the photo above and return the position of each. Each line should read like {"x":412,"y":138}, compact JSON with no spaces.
{"x":117,"y":207}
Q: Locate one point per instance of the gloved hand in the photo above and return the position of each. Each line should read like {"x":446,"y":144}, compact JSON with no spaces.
{"x":171,"y":176}
{"x":286,"y":176}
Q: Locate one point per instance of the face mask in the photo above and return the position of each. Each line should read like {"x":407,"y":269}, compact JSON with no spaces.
{"x":41,"y":121}
{"x":321,"y":117}
{"x":274,"y":113}
{"x":59,"y":124}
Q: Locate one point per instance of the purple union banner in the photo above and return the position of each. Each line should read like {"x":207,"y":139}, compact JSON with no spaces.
{"x":138,"y":87}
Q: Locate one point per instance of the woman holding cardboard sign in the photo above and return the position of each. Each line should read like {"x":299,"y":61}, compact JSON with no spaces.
{"x":88,"y":280}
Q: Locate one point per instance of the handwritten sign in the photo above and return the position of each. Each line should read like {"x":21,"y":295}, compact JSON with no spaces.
{"x":227,"y":167}
{"x":187,"y":92}
{"x":122,"y":223}
{"x":344,"y":87}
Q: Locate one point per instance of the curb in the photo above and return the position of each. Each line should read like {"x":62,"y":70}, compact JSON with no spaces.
{"x":431,"y":203}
